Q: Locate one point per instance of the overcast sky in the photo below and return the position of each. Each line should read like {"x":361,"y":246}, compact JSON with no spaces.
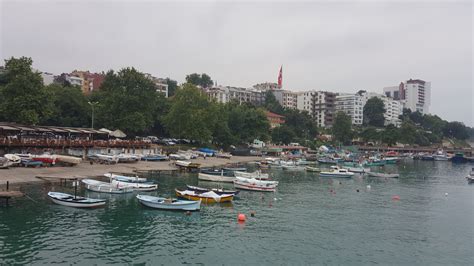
{"x":341,"y":47}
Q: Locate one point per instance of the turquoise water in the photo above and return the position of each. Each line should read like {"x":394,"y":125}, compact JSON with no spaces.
{"x":309,"y":220}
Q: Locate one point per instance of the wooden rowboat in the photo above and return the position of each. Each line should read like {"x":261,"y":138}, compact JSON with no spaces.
{"x":207,"y":197}
{"x":169,"y":204}
{"x":74,"y":201}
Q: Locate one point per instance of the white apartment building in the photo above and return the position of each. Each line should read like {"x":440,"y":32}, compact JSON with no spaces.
{"x":319,"y":104}
{"x":160,"y":83}
{"x":75,"y":81}
{"x":414,"y":94}
{"x":224,"y":94}
{"x":352,"y":105}
{"x":48,"y":78}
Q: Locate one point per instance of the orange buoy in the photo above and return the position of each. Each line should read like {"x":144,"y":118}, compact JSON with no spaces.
{"x":241,"y":217}
{"x":395,"y":197}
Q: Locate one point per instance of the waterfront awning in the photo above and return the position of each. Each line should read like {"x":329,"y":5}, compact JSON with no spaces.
{"x":9,"y":128}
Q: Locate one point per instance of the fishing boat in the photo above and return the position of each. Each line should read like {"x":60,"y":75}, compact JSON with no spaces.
{"x":336,"y":172}
{"x":218,"y":191}
{"x":104,"y":187}
{"x":135,"y":186}
{"x":74,"y":201}
{"x":126,"y":178}
{"x":255,"y":184}
{"x":375,"y":162}
{"x":459,"y":158}
{"x":206,"y":197}
{"x":391,"y":160}
{"x":256,"y":175}
{"x":383,"y":175}
{"x":216,"y":178}
{"x":312,"y":169}
{"x":427,"y":157}
{"x":154,"y":157}
{"x":71,"y":160}
{"x":358,"y":169}
{"x":169,"y":204}
{"x":440,"y":155}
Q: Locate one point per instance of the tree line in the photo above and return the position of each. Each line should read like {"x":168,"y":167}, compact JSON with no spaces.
{"x":129,"y":101}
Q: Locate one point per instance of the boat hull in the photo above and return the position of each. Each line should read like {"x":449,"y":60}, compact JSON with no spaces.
{"x":204,"y":199}
{"x":323,"y":174}
{"x":79,"y":203}
{"x":247,"y":186}
{"x":216,"y":178}
{"x":103,"y":187}
{"x":164,"y":204}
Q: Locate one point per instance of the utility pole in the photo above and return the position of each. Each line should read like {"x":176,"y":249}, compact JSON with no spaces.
{"x":92,"y":104}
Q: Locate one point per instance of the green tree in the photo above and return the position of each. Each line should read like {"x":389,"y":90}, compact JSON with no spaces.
{"x":202,"y":80}
{"x":172,"y":86}
{"x":456,"y":130}
{"x":127,"y":101}
{"x":70,"y":107}
{"x":342,"y":128}
{"x":369,"y":134}
{"x":24,"y":99}
{"x":271,"y":103}
{"x":283,"y":135}
{"x":373,"y":112}
{"x":390,"y":135}
{"x":301,"y":123}
{"x":408,"y":132}
{"x":247,"y":123}
{"x":416,"y":117}
{"x":189,"y":116}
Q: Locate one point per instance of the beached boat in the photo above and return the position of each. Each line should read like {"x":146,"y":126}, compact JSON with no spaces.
{"x":135,"y":186}
{"x":255,"y":184}
{"x":223,"y":155}
{"x":31,"y":163}
{"x":108,"y":159}
{"x":154,"y":157}
{"x":219,"y":191}
{"x":128,"y":158}
{"x":187,"y":164}
{"x":312,"y":169}
{"x":169,"y":204}
{"x":13,"y":159}
{"x":46,"y":159}
{"x":4,"y":163}
{"x":256,"y":175}
{"x":71,"y":160}
{"x":383,"y":175}
{"x":104,"y":187}
{"x":207,"y":197}
{"x":126,"y":178}
{"x":216,"y":178}
{"x":74,"y":201}
{"x":336,"y":172}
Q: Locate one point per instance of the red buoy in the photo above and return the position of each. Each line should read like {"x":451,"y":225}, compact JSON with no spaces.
{"x":241,"y":217}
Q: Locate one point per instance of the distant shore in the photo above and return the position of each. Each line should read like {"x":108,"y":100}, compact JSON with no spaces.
{"x":21,"y":175}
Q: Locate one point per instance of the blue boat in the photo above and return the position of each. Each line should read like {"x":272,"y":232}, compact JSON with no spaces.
{"x":154,"y":157}
{"x":459,"y":158}
{"x":207,"y":151}
{"x":31,"y":163}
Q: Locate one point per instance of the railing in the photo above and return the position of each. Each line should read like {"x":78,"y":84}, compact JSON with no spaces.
{"x":6,"y":142}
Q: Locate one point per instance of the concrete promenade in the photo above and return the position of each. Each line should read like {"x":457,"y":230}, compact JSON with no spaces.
{"x":18,"y":175}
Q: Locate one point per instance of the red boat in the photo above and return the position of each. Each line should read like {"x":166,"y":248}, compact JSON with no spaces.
{"x":45,"y":159}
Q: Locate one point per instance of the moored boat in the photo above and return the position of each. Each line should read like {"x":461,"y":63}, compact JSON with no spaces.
{"x":206,"y":197}
{"x":74,"y":201}
{"x":126,"y":178}
{"x":216,"y":178}
{"x":135,"y":186}
{"x":256,"y":175}
{"x":169,"y":204}
{"x":211,"y":171}
{"x":337,"y":172}
{"x":358,"y":170}
{"x":104,"y":187}
{"x":255,"y":184}
{"x":470,"y":177}
{"x":218,"y":191}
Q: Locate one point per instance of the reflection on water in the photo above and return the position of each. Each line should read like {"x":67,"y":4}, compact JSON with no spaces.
{"x":308,"y":220}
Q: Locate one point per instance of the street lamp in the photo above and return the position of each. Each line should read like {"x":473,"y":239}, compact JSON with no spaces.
{"x":92,"y":104}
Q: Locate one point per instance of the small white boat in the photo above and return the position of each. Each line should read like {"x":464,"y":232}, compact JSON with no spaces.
{"x":293,"y":167}
{"x":109,"y":159}
{"x":359,"y":170}
{"x":104,"y":187}
{"x":4,"y":163}
{"x":312,"y":169}
{"x":13,"y":159}
{"x":256,"y":175}
{"x":135,"y":186}
{"x":187,"y":164}
{"x":223,"y":155}
{"x":216,"y":178}
{"x":255,"y":184}
{"x":126,"y":178}
{"x":74,"y":201}
{"x":470,"y":177}
{"x":68,"y":159}
{"x":169,"y":204}
{"x":336,"y":172}
{"x":128,"y":158}
{"x":383,"y":175}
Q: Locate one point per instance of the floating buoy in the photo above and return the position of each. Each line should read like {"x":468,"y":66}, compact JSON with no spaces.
{"x":275,"y":199}
{"x":357,"y":190}
{"x":241,"y":217}
{"x":252,"y":213}
{"x":446,"y":194}
{"x":395,"y":197}
{"x":369,"y":187}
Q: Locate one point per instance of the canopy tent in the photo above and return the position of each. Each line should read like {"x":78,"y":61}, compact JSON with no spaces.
{"x":118,"y":134}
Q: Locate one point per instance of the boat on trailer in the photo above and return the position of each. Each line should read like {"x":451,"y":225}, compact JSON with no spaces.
{"x":169,"y":204}
{"x":75,"y":201}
